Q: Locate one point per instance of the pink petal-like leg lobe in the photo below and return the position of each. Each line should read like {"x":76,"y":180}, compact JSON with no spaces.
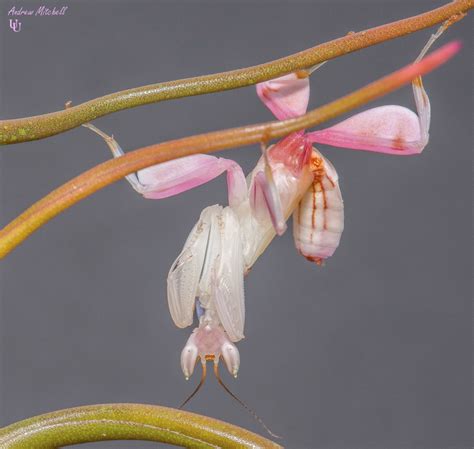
{"x":176,"y":176}
{"x":390,"y":129}
{"x":287,"y":96}
{"x":385,"y":129}
{"x":236,"y":183}
{"x":265,"y":201}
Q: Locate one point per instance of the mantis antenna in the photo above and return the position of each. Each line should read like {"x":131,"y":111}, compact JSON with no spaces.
{"x":242,"y":403}
{"x":200,"y":384}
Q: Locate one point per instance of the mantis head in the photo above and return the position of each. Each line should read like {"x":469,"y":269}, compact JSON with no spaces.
{"x":209,"y":342}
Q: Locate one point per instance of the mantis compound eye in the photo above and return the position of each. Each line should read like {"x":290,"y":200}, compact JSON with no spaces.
{"x":189,"y":357}
{"x":231,"y":357}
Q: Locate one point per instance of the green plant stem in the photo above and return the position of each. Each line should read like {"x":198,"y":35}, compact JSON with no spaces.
{"x":112,"y":170}
{"x":128,"y":422}
{"x":41,"y":126}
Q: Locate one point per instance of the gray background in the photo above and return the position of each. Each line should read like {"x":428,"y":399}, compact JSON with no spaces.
{"x":371,"y":351}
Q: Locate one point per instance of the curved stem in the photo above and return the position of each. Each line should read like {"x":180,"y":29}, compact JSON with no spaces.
{"x":112,"y":170}
{"x":128,"y":422}
{"x":41,"y":126}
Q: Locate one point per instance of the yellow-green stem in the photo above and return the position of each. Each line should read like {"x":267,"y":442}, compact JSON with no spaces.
{"x":112,"y":170}
{"x":41,"y":126}
{"x":128,"y":422}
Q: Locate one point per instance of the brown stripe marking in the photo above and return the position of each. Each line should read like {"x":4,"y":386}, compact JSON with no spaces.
{"x":313,"y":213}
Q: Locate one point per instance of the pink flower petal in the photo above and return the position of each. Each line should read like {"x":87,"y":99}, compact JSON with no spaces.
{"x":286,"y":97}
{"x":385,"y":129}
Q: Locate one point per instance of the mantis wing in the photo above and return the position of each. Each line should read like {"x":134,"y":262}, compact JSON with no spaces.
{"x":229,"y":278}
{"x":184,"y":275}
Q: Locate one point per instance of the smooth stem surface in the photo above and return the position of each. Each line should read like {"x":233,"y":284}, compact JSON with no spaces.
{"x":41,"y":126}
{"x":128,"y":422}
{"x":112,"y":170}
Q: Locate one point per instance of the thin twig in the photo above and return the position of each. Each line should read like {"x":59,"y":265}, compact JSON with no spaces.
{"x":41,"y":126}
{"x":112,"y":170}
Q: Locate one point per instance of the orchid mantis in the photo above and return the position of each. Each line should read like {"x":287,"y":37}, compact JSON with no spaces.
{"x":291,"y":178}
